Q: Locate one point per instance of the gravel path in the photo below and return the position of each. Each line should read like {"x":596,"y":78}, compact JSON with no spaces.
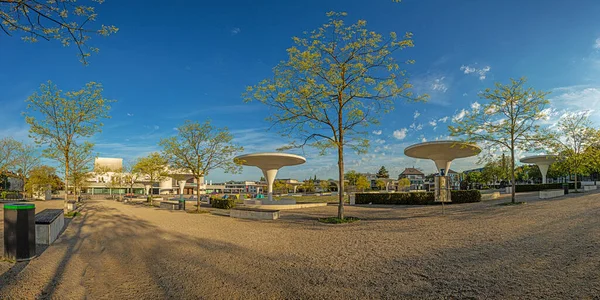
{"x":544,"y":249}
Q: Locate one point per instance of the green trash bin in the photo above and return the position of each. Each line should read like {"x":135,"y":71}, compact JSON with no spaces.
{"x":566,"y":188}
{"x":19,"y":231}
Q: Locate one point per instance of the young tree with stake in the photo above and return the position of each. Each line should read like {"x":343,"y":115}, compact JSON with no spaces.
{"x":335,"y":82}
{"x":60,"y":120}
{"x":507,"y":120}
{"x":201,"y":148}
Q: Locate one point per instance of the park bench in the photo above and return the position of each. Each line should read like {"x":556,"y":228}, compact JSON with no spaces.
{"x":546,"y":194}
{"x":71,"y":205}
{"x":48,"y":225}
{"x":170,"y":205}
{"x":254,"y":213}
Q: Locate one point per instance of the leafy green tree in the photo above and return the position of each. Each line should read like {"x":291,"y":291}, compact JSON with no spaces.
{"x":352,"y":177}
{"x":9,"y":148}
{"x":381,"y":184}
{"x":403,"y":184}
{"x":575,"y":137}
{"x":130,"y":176}
{"x":308,"y":186}
{"x":507,"y":121}
{"x":154,"y":168}
{"x":201,"y":148}
{"x":41,"y":179}
{"x":496,"y":170}
{"x":382,"y":173}
{"x":280,"y":186}
{"x":475,"y":177}
{"x":362,"y":183}
{"x":60,"y":119}
{"x":324,"y":185}
{"x":65,"y":21}
{"x":336,"y":81}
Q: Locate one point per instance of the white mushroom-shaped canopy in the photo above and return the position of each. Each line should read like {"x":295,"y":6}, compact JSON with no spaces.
{"x":442,"y":152}
{"x":543,"y":161}
{"x":270,"y":160}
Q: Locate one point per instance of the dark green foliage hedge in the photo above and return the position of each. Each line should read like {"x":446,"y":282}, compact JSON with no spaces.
{"x":222,"y":203}
{"x":468,"y":196}
{"x":417,"y":198}
{"x":520,"y":188}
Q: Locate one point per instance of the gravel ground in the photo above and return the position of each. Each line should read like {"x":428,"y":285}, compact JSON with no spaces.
{"x":543,"y":249}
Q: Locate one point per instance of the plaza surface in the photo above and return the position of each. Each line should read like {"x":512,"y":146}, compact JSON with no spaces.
{"x":544,"y":249}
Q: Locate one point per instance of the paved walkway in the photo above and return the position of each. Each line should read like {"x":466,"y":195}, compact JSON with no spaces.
{"x":544,"y":249}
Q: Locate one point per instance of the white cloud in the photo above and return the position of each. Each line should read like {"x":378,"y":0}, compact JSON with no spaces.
{"x":416,"y":114}
{"x":129,"y":114}
{"x":416,"y":127}
{"x":459,"y":116}
{"x":400,"y":134}
{"x":465,"y":94}
{"x":175,"y":128}
{"x":377,"y":132}
{"x":156,"y":127}
{"x":423,"y":139}
{"x":379,"y":141}
{"x":475,"y":106}
{"x":433,"y":123}
{"x":597,"y":44}
{"x":443,"y":120}
{"x":473,"y":70}
{"x":577,"y":98}
{"x":235,"y":31}
{"x":439,"y":85}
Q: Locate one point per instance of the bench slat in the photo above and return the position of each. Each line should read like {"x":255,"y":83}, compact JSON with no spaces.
{"x":47,"y":216}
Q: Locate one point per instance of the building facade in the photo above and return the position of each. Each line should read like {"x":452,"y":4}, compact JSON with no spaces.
{"x":416,"y":177}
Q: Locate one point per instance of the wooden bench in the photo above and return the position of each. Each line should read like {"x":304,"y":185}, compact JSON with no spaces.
{"x":254,"y":213}
{"x":170,"y":205}
{"x":48,"y":225}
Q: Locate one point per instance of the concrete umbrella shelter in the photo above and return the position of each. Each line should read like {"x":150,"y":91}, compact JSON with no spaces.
{"x":442,"y":153}
{"x":270,"y":163}
{"x":543,"y":162}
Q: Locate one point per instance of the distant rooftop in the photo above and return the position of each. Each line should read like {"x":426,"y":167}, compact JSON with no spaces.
{"x":411,"y":171}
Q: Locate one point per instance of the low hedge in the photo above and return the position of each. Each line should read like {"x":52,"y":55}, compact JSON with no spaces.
{"x":520,"y":188}
{"x":222,"y":203}
{"x":416,"y":198}
{"x":468,"y":196}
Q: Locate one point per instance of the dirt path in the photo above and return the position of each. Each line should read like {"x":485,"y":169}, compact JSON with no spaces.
{"x":544,"y":249}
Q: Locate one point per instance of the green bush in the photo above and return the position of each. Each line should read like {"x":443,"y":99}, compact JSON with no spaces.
{"x":521,"y":188}
{"x":469,"y":196}
{"x":417,"y":198}
{"x":222,"y":203}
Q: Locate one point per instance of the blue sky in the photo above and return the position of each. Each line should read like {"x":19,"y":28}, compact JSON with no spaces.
{"x":178,"y":60}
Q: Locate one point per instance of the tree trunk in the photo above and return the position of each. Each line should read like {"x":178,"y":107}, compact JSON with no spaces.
{"x":512,"y":174}
{"x":341,"y":183}
{"x":67,"y":178}
{"x":198,"y":193}
{"x":575,"y":182}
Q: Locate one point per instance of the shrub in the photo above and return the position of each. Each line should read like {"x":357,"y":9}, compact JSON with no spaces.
{"x":468,"y":196}
{"x":222,"y":203}
{"x":416,"y":198}
{"x":540,"y":187}
{"x":420,"y":198}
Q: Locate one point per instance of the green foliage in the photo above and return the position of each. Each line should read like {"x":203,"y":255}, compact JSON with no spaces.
{"x":380,"y":184}
{"x":41,"y":178}
{"x":60,"y":20}
{"x":383,"y":173}
{"x":522,"y":188}
{"x":507,"y":121}
{"x":336,"y":81}
{"x":222,"y":203}
{"x":4,"y":183}
{"x":153,"y":166}
{"x":352,"y":177}
{"x":60,"y":120}
{"x":362,"y":183}
{"x":475,"y":177}
{"x":72,"y":214}
{"x":468,"y":196}
{"x":403,"y":184}
{"x":336,"y":220}
{"x":575,"y":138}
{"x":418,"y":198}
{"x":324,"y":185}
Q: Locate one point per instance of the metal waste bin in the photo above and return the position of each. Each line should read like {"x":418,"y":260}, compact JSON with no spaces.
{"x":566,"y":188}
{"x":19,"y":231}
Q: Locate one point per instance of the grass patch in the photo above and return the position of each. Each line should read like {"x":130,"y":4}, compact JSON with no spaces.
{"x":336,"y":220}
{"x":202,"y":211}
{"x":72,"y":214}
{"x":511,"y":203}
{"x":5,"y":259}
